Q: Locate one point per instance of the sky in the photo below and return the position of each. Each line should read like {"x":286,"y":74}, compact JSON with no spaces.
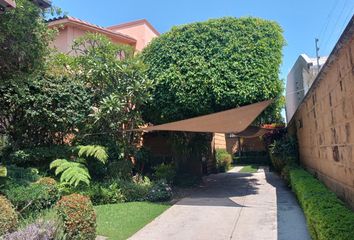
{"x":301,"y":20}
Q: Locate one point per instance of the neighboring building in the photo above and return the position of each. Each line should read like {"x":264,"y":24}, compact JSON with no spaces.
{"x":324,"y":120}
{"x":9,"y":4}
{"x":141,"y":30}
{"x":6,"y":4}
{"x":136,"y":34}
{"x":299,"y":81}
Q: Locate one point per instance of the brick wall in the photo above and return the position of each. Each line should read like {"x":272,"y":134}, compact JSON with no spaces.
{"x":324,"y":121}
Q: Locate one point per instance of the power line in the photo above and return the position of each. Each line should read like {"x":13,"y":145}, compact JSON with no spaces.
{"x":327,"y":41}
{"x":349,"y":15}
{"x":324,"y":29}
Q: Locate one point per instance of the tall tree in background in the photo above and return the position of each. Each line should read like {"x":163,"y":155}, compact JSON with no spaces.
{"x":24,"y":40}
{"x":211,"y":66}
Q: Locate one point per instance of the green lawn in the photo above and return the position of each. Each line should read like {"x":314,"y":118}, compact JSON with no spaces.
{"x":249,"y":169}
{"x":122,"y":220}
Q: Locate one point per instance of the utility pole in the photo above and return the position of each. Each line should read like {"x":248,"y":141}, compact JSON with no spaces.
{"x":317,"y":55}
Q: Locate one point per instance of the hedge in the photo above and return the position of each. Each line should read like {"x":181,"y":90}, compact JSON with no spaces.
{"x":210,"y":66}
{"x":327,"y":217}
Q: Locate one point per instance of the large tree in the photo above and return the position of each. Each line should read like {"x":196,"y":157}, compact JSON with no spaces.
{"x":24,"y":40}
{"x":210,"y":66}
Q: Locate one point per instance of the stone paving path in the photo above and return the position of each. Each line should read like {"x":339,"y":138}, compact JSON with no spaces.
{"x":232,"y":206}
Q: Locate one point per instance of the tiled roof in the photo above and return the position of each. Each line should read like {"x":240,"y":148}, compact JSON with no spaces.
{"x":69,"y":19}
{"x":8,"y":3}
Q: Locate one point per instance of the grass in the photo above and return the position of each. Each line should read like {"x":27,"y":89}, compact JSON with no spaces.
{"x":122,"y":220}
{"x":249,"y":169}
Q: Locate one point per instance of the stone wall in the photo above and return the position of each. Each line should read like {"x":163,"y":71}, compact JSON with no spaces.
{"x":324,"y":121}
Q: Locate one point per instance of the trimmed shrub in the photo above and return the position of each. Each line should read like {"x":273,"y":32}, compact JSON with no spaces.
{"x":32,"y":199}
{"x":52,"y":187}
{"x":77,"y":217}
{"x":327,"y":216}
{"x":8,"y":216}
{"x":42,"y":230}
{"x":200,"y":68}
{"x":47,"y":181}
{"x":160,"y":192}
{"x":165,"y":171}
{"x":223,"y":160}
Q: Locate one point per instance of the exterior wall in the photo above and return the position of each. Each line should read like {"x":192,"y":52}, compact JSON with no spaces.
{"x":68,"y":34}
{"x":247,"y":144}
{"x":219,"y":141}
{"x":324,"y":121}
{"x":141,"y":32}
{"x":61,"y":41}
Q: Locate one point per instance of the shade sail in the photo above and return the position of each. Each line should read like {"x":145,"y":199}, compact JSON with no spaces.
{"x":252,"y":131}
{"x":230,"y":121}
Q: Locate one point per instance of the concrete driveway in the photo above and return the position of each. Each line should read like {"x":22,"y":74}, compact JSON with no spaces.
{"x":232,"y":206}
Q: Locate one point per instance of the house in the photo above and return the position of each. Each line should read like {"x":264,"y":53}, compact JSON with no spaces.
{"x":9,"y":4}
{"x":6,"y":4}
{"x":324,"y":120}
{"x":299,"y":81}
{"x":136,"y":34}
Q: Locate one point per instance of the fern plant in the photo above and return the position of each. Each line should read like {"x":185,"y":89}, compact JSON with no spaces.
{"x":75,"y":171}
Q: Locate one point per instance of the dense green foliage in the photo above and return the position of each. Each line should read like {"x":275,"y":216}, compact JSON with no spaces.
{"x":119,"y":190}
{"x":44,"y":110}
{"x":210,"y":66}
{"x":326,"y":215}
{"x":31,"y":199}
{"x":38,"y":157}
{"x":283,"y":152}
{"x":121,"y":89}
{"x":24,"y":39}
{"x":75,"y":171}
{"x":77,"y":216}
{"x":8,"y":216}
{"x":223,"y":160}
{"x":166,"y":172}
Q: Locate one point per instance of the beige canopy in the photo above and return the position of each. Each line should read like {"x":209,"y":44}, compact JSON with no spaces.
{"x":252,"y":132}
{"x":231,"y":121}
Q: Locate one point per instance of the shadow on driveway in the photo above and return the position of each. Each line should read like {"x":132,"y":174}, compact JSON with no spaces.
{"x":220,"y":189}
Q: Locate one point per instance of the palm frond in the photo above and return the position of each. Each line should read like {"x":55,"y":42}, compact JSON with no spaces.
{"x":95,"y":151}
{"x":71,"y":172}
{"x":3,"y":171}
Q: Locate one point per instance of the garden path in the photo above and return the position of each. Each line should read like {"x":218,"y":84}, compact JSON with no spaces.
{"x":232,"y":206}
